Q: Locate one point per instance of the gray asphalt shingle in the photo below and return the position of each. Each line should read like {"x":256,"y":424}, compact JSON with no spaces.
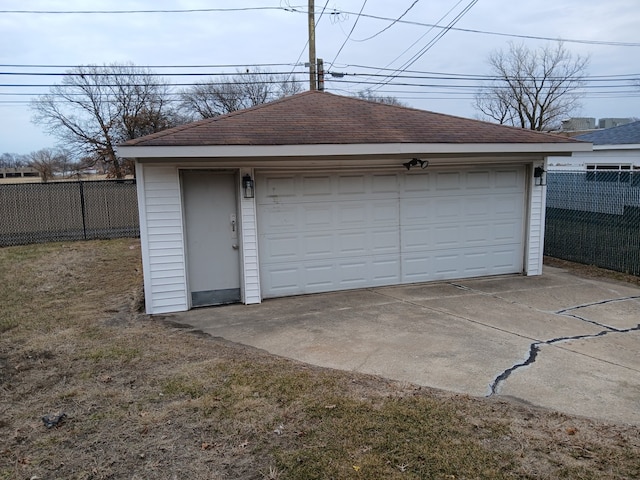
{"x":623,"y":134}
{"x":314,"y":118}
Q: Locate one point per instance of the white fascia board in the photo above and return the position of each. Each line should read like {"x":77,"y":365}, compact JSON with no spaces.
{"x":621,"y":146}
{"x":280,"y":151}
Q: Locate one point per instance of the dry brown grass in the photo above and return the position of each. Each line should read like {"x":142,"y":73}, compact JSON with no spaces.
{"x":146,"y":400}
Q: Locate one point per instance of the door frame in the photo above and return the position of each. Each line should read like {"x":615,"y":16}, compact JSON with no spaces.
{"x":235,"y":175}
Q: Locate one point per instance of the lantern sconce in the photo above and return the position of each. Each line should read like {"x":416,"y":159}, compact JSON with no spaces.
{"x":247,"y":186}
{"x":540,"y":176}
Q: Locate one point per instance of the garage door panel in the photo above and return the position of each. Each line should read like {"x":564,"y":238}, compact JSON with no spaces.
{"x":417,"y":238}
{"x":506,"y":179}
{"x":279,"y":218}
{"x":448,"y":181}
{"x":416,"y":210}
{"x":281,"y":248}
{"x":448,"y":208}
{"x":447,"y":236}
{"x":506,"y":232}
{"x":317,"y":187}
{"x":317,"y":245}
{"x":353,"y":230}
{"x":281,"y":280}
{"x":315,"y":216}
{"x":417,"y":267}
{"x":278,"y":186}
{"x":477,"y":234}
{"x":339,"y":244}
{"x":384,"y":240}
{"x":353,"y":243}
{"x":384,"y":183}
{"x":416,"y":184}
{"x":351,"y":185}
{"x":313,"y":277}
{"x":508,"y":205}
{"x":478,"y":180}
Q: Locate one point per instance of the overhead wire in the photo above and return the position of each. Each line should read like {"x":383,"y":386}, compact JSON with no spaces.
{"x":299,"y":9}
{"x":128,"y":12}
{"x":432,"y":42}
{"x":364,"y":3}
{"x":388,"y":26}
{"x":420,"y":38}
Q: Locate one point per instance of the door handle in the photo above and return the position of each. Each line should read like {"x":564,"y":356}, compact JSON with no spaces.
{"x":235,"y":247}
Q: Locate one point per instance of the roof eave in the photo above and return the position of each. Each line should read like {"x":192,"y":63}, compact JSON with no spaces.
{"x":617,"y":146}
{"x":329,"y":150}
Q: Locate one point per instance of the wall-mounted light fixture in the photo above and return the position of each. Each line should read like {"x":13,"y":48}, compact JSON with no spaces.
{"x":540,"y":176}
{"x":416,"y":161}
{"x":247,"y":186}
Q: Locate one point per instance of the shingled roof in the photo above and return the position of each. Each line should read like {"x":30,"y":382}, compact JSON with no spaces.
{"x":317,"y":118}
{"x":621,"y":135}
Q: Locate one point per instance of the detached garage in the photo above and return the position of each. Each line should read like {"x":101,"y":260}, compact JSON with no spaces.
{"x":318,"y":192}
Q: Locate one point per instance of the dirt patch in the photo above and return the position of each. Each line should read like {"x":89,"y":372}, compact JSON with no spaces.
{"x":591,"y":271}
{"x":145,"y":399}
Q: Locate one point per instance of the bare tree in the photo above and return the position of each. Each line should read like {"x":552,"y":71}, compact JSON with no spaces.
{"x":49,"y":162}
{"x":228,"y":94}
{"x":96,"y":107}
{"x":368,"y":94}
{"x":533,"y":89}
{"x":13,"y":160}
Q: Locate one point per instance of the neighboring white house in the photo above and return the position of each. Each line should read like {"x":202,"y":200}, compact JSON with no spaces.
{"x":318,"y":192}
{"x":614,"y":149}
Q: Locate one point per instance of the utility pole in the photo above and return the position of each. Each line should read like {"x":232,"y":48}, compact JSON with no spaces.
{"x":313,"y":84}
{"x":320,"y":75}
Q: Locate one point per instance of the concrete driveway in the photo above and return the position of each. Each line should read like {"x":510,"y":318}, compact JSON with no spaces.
{"x":558,"y":341}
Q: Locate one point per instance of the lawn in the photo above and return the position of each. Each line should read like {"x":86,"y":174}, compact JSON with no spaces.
{"x":144,"y":399}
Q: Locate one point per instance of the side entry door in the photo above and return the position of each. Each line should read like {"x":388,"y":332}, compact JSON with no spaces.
{"x":213,"y":258}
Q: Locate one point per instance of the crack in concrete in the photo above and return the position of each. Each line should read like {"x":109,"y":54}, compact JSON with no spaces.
{"x":534,"y":349}
{"x":602,"y":302}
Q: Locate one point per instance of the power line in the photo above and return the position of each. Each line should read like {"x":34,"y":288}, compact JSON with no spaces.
{"x":132,"y":66}
{"x":127,"y":12}
{"x":348,"y":36}
{"x":433,"y":41}
{"x":406,"y":75}
{"x":299,"y":9}
{"x":144,"y":74}
{"x":487,"y":32}
{"x":420,"y":38}
{"x":420,"y":73}
{"x":390,"y":25}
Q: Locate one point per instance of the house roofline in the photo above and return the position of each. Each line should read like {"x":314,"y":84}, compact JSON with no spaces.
{"x":331,"y":150}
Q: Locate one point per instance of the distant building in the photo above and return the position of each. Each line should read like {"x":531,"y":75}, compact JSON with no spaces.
{"x":18,"y":172}
{"x":615,"y":149}
{"x":586,"y":124}
{"x":579,"y":123}
{"x":613,"y":122}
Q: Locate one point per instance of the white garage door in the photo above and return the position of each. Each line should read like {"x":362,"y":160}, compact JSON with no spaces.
{"x":322,"y":232}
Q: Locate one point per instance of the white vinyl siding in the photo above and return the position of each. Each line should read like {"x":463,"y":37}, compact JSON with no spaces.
{"x":162,"y":237}
{"x":249,"y":239}
{"x":334,"y":231}
{"x":535,"y":241}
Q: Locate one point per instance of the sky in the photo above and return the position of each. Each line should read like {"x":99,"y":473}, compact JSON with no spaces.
{"x":274,"y":34}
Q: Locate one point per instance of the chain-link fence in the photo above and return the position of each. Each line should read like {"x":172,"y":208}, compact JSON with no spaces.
{"x":594,"y":218}
{"x":49,"y":212}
